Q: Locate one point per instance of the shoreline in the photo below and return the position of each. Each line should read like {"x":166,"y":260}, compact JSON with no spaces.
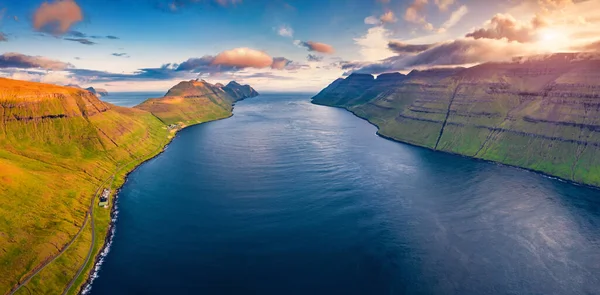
{"x":542,"y":173}
{"x":87,"y":284}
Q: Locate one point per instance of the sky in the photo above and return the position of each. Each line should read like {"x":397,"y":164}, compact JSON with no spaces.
{"x":276,"y":45}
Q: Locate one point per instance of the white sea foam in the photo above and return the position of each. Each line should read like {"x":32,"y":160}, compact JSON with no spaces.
{"x":95,"y":272}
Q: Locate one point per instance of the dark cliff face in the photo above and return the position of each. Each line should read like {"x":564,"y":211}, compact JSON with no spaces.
{"x":239,"y":92}
{"x":345,"y":92}
{"x":357,"y":89}
{"x":539,"y":113}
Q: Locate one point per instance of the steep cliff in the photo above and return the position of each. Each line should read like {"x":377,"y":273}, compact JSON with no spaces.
{"x":57,"y":144}
{"x":539,"y":113}
{"x":195,"y":101}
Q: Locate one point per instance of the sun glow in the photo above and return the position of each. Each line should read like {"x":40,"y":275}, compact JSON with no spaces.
{"x":552,"y":39}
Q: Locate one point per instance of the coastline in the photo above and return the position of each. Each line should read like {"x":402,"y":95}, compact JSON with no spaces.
{"x":545,"y":174}
{"x":91,"y":274}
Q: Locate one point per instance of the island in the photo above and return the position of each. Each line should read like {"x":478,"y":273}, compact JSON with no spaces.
{"x":540,"y":113}
{"x":62,"y":150}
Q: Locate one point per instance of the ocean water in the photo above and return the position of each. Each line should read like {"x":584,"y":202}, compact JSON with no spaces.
{"x":287,"y":197}
{"x":130,"y":99}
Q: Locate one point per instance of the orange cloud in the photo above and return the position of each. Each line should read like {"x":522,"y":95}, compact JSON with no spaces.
{"x":388,"y":17}
{"x":505,"y":26}
{"x":243,"y":58}
{"x":279,"y":63}
{"x":444,"y":4}
{"x":414,"y":14}
{"x":57,"y":17}
{"x":316,"y":46}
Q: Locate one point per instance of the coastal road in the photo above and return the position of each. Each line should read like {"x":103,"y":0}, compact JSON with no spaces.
{"x":88,"y":216}
{"x":66,"y":247}
{"x":93,"y":225}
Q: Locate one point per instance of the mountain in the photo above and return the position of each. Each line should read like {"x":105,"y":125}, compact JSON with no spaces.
{"x":97,"y":91}
{"x":58,"y":146}
{"x":538,"y":113}
{"x":239,"y":92}
{"x":195,"y":101}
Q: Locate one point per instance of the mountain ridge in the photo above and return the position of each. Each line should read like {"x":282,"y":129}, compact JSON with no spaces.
{"x":541,"y":114}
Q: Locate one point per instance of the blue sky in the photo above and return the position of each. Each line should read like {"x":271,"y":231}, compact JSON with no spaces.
{"x":342,"y":37}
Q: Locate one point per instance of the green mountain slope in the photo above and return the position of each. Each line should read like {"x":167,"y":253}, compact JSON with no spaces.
{"x":191,"y":102}
{"x":58,"y":146}
{"x":540,"y":113}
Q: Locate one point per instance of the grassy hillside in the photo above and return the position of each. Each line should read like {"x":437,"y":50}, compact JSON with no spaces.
{"x":192,"y":102}
{"x":541,"y":114}
{"x":58,"y":146}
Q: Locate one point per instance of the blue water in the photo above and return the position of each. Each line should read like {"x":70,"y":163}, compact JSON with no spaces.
{"x":287,"y":197}
{"x":130,"y":99}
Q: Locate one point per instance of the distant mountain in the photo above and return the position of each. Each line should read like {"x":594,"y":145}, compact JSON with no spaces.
{"x":239,"y":92}
{"x":540,"y":113}
{"x":97,"y":91}
{"x":190,"y":102}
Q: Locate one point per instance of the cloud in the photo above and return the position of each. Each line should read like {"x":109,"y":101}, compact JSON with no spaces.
{"x":374,"y":44}
{"x":225,"y":63}
{"x":21,"y":61}
{"x":233,"y":60}
{"x":314,"y":57}
{"x":78,"y":34}
{"x":268,"y":76}
{"x":594,"y":46}
{"x":81,"y":40}
{"x":175,"y":5}
{"x":455,"y":17}
{"x":443,"y":5}
{"x":400,"y":47}
{"x":243,"y":58}
{"x":316,"y":46}
{"x":388,"y":17}
{"x":451,"y":53}
{"x":280,"y":63}
{"x":372,"y":20}
{"x":506,"y":26}
{"x":414,"y":14}
{"x":57,"y":17}
{"x":196,"y":64}
{"x":285,"y":31}
{"x":3,"y":37}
